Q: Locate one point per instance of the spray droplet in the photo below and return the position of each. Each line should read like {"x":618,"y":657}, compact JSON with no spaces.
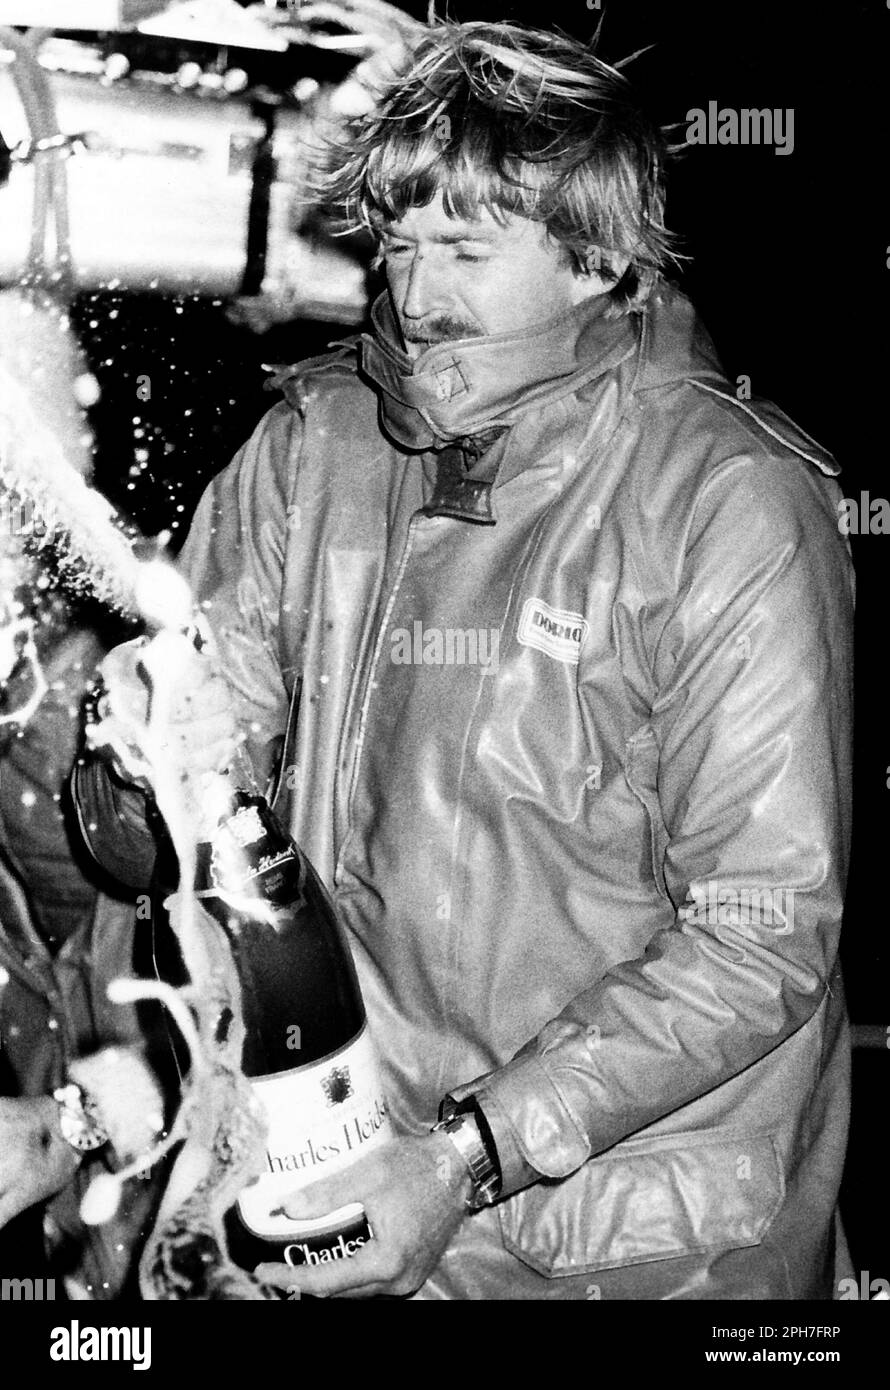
{"x":86,"y":389}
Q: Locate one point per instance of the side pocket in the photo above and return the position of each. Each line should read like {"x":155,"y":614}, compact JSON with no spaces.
{"x":647,"y":1203}
{"x":641,"y":770}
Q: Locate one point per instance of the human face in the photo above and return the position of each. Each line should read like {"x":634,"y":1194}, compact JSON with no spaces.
{"x":455,"y":278}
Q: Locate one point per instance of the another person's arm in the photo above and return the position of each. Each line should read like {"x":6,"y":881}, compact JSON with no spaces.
{"x":35,"y":1160}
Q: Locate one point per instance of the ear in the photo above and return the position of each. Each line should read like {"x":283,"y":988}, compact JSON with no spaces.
{"x":591,"y":281}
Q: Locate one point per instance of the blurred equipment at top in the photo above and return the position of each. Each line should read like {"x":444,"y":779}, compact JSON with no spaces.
{"x":79,"y":14}
{"x":168,"y":153}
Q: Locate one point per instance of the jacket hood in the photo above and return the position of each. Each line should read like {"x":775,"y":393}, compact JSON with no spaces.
{"x":463,"y":388}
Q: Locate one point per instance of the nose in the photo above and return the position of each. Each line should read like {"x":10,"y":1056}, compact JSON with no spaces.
{"x":419,"y":294}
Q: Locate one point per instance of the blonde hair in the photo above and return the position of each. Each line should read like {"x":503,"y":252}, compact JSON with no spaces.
{"x":518,"y":122}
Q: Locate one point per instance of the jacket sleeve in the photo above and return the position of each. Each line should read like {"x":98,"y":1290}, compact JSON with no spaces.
{"x":233,"y":559}
{"x":114,"y":823}
{"x":751,"y":728}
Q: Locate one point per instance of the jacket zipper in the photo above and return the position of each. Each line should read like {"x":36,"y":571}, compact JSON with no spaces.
{"x":364,"y":707}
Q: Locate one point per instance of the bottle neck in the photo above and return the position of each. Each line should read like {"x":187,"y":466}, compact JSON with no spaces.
{"x":250,"y":859}
{"x":216,"y":799}
{"x":240,"y":772}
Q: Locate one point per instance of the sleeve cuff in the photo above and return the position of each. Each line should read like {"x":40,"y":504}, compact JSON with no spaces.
{"x":112,"y":822}
{"x":534,"y":1131}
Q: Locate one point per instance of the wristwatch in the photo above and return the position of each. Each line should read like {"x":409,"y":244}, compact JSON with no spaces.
{"x":79,"y":1118}
{"x":474,"y":1145}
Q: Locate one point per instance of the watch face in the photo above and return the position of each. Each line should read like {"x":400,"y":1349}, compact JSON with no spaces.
{"x":80,"y":1135}
{"x":78,"y":1120}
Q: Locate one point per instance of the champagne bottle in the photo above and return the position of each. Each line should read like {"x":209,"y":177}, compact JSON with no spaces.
{"x":306,"y":1048}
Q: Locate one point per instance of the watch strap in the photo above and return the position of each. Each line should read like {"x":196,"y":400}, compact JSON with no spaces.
{"x":463,"y":1127}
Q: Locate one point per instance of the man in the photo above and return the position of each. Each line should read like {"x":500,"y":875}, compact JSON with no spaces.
{"x":557,"y":632}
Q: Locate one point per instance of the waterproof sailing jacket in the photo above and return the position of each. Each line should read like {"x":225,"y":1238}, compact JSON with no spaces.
{"x":557,"y":634}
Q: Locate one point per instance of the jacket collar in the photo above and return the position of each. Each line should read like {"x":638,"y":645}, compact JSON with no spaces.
{"x":460,"y":389}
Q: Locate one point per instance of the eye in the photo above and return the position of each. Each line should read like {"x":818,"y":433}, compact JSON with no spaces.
{"x":396,"y":248}
{"x":474,"y":254}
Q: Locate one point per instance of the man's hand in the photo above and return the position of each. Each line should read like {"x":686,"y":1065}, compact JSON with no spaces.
{"x":200,"y":735}
{"x":35,"y":1161}
{"x":414,"y":1192}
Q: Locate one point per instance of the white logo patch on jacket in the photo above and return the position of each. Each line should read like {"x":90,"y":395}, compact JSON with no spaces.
{"x":552,"y":630}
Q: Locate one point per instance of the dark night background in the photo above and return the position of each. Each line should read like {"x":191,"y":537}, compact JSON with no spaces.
{"x":789,"y":269}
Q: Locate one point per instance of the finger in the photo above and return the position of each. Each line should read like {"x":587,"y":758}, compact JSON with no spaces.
{"x":124,"y":657}
{"x":326,"y":11}
{"x":200,"y":731}
{"x":123,"y":675}
{"x":196,"y":755}
{"x":210,"y":703}
{"x":197,"y":674}
{"x":381,"y":17}
{"x":356,"y":1277}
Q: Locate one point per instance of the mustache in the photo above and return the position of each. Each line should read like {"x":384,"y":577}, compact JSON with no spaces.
{"x":443,"y":328}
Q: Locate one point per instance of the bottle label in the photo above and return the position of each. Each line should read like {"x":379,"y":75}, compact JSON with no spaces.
{"x":252,"y":859}
{"x":334,"y":1237}
{"x":321,"y":1117}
